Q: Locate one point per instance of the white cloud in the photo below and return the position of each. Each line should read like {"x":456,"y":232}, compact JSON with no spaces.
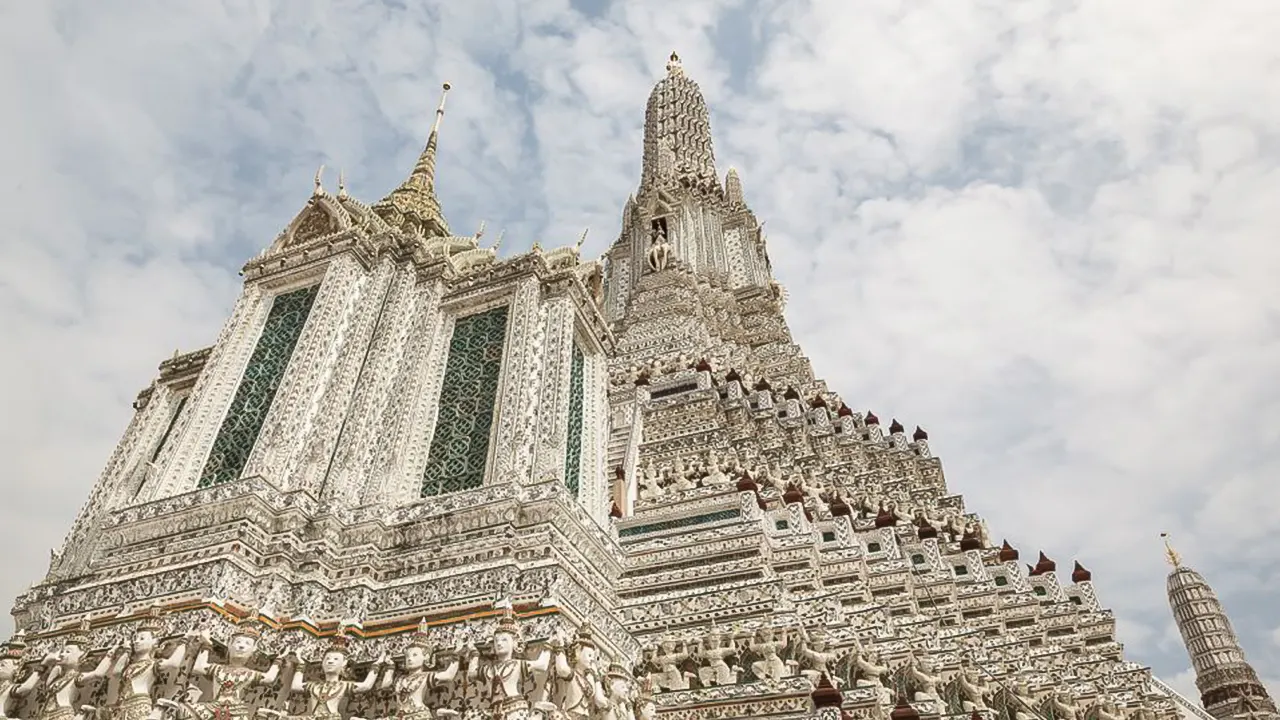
{"x":1045,"y":233}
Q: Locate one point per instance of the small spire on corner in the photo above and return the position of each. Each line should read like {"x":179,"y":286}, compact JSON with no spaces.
{"x":319,"y":188}
{"x":582,"y":239}
{"x":1169,"y":553}
{"x":342,"y":184}
{"x":497,"y":243}
{"x":479,"y":231}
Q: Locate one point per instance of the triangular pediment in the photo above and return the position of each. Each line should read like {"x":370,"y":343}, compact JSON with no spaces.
{"x":321,"y":217}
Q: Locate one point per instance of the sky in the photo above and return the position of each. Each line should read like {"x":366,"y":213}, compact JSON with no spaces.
{"x":1045,"y":231}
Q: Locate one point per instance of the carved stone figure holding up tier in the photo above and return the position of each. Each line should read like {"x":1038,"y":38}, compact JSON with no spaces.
{"x":411,"y":686}
{"x":869,"y":673}
{"x":230,"y":682}
{"x":1024,"y":702}
{"x":58,"y":684}
{"x":770,"y":667}
{"x":579,"y":692}
{"x":1107,"y":710}
{"x":1064,"y":706}
{"x":138,"y":669}
{"x":815,"y":656}
{"x":509,"y":678}
{"x":715,"y":654}
{"x":671,"y":656}
{"x":10,"y":661}
{"x":620,"y":694}
{"x":650,"y":485}
{"x":325,"y":697}
{"x":924,"y":678}
{"x":715,"y":473}
{"x":974,"y":690}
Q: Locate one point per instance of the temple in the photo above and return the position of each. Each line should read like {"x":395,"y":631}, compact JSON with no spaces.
{"x":412,"y":478}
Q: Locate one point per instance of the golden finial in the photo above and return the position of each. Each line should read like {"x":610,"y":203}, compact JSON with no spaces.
{"x":1169,"y":553}
{"x":319,"y":178}
{"x":582,"y":239}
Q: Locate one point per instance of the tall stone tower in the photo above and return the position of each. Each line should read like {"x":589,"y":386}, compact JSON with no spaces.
{"x":1225,"y":679}
{"x":541,"y":487}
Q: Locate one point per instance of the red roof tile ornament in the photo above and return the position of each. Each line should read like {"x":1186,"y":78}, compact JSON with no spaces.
{"x":919,"y":434}
{"x":732,"y":376}
{"x":746,"y":484}
{"x":1008,"y":553}
{"x":895,"y":427}
{"x":817,"y":401}
{"x":970,"y":541}
{"x":615,"y":511}
{"x":903,"y":710}
{"x":1080,"y":574}
{"x":825,"y":695}
{"x":839,"y":508}
{"x":872,"y":419}
{"x":793,"y":494}
{"x":791,"y":394}
{"x":1044,"y":565}
{"x":925,"y":531}
{"x":703,"y":366}
{"x":886,"y":518}
{"x":642,"y":378}
{"x":763,"y":385}
{"x":844,"y":411}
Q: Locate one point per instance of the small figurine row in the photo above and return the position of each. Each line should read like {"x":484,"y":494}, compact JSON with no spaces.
{"x":564,"y":681}
{"x":773,"y":654}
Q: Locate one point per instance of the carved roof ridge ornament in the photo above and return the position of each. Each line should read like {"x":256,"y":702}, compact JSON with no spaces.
{"x":413,"y":206}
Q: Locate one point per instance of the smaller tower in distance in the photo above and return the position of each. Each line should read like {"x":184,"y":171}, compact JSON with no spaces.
{"x":1223,"y":676}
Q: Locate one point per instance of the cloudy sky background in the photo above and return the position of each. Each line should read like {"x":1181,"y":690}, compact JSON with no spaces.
{"x":1045,"y":230}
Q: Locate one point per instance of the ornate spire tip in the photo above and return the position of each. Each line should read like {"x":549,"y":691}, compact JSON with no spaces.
{"x":444,"y":93}
{"x":1169,"y":553}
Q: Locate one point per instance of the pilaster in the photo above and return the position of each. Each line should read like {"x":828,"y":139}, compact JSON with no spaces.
{"x":352,"y":346}
{"x":401,"y":462}
{"x":550,"y":447}
{"x":387,"y":449}
{"x":312,"y":366}
{"x":595,"y":478}
{"x":349,"y":480}
{"x":180,"y":469}
{"x":511,"y":459}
